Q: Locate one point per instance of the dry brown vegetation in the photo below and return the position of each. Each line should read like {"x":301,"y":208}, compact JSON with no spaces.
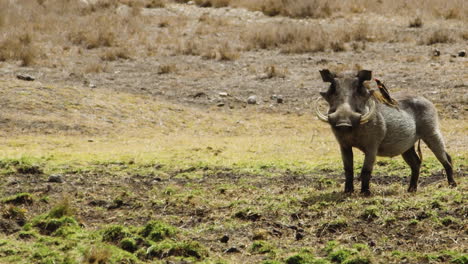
{"x":42,"y":28}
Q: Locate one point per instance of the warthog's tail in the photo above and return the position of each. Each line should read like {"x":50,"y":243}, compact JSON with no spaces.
{"x":419,"y":151}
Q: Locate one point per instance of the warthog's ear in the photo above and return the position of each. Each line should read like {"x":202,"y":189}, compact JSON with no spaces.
{"x":327,"y":76}
{"x":364,"y":75}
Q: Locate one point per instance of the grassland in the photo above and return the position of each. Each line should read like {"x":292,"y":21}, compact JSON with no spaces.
{"x":155,"y":190}
{"x":135,"y":143}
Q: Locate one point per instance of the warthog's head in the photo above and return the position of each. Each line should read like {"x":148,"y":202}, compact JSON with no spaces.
{"x":348,"y":99}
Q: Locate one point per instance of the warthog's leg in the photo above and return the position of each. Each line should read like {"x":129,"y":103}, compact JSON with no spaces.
{"x":436,"y":144}
{"x":366,"y":171}
{"x":414,"y":162}
{"x":347,"y":156}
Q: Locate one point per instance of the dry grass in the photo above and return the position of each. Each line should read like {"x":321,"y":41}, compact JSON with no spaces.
{"x":61,"y":24}
{"x":97,"y":255}
{"x":18,"y":47}
{"x":212,"y":3}
{"x":416,"y":23}
{"x":167,"y":68}
{"x":113,"y":54}
{"x":294,"y":37}
{"x":438,"y":36}
{"x":290,"y":8}
{"x":288,"y":37}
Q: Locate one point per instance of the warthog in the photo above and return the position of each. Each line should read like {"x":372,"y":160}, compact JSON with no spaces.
{"x":378,"y":129}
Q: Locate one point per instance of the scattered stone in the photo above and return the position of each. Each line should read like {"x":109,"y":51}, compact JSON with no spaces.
{"x":220,"y":105}
{"x":92,"y":85}
{"x":232,"y":250}
{"x":224,"y":239}
{"x":199,"y":94}
{"x":299,"y":235}
{"x":56,"y":178}
{"x":279,"y":99}
{"x":252,"y":99}
{"x":461,"y":53}
{"x":223,"y":94}
{"x":100,"y":203}
{"x":25,"y":77}
{"x":436,"y":53}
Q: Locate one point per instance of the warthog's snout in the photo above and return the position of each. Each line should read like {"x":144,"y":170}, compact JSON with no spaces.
{"x":344,"y":117}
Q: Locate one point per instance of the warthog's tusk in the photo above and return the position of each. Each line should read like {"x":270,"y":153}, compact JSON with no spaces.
{"x":366,"y":117}
{"x":319,"y":114}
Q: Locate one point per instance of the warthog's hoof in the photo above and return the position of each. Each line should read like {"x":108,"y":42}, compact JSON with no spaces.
{"x":366,"y":193}
{"x":453,"y":184}
{"x":412,"y":189}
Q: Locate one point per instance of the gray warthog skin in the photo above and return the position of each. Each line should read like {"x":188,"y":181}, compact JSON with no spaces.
{"x":389,"y":131}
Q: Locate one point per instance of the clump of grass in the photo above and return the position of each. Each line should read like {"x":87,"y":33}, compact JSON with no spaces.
{"x":97,"y":255}
{"x":169,"y":248}
{"x":288,"y":37}
{"x":272,"y":71}
{"x":101,"y":35}
{"x":15,"y":213}
{"x":55,"y":226}
{"x":158,"y":231}
{"x":416,"y":23}
{"x":155,"y":3}
{"x":212,"y":3}
{"x":290,"y":8}
{"x":20,"y":198}
{"x":438,"y":36}
{"x":337,"y":46}
{"x":115,"y":233}
{"x":167,"y":68}
{"x":128,"y":244}
{"x":261,"y":247}
{"x":115,"y":54}
{"x":223,"y":52}
{"x":333,"y":226}
{"x":448,"y":221}
{"x":19,"y":47}
{"x":370,"y":212}
{"x":63,"y":208}
{"x":23,"y":165}
{"x":94,"y":67}
{"x":247,"y":214}
{"x":305,"y":257}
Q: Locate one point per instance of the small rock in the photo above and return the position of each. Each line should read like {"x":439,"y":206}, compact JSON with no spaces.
{"x":252,"y":99}
{"x":25,"y":77}
{"x":223,"y":94}
{"x":299,"y":235}
{"x":220,"y":105}
{"x":92,"y":85}
{"x":224,"y":239}
{"x":461,"y":53}
{"x":279,"y":99}
{"x":232,"y":250}
{"x":56,"y":178}
{"x":436,"y":53}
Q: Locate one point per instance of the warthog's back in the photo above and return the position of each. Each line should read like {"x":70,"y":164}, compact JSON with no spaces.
{"x":414,"y":118}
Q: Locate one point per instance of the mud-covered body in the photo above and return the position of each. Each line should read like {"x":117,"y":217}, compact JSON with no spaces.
{"x":380,"y":129}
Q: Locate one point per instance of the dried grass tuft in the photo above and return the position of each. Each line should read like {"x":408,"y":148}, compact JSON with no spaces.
{"x":18,"y":46}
